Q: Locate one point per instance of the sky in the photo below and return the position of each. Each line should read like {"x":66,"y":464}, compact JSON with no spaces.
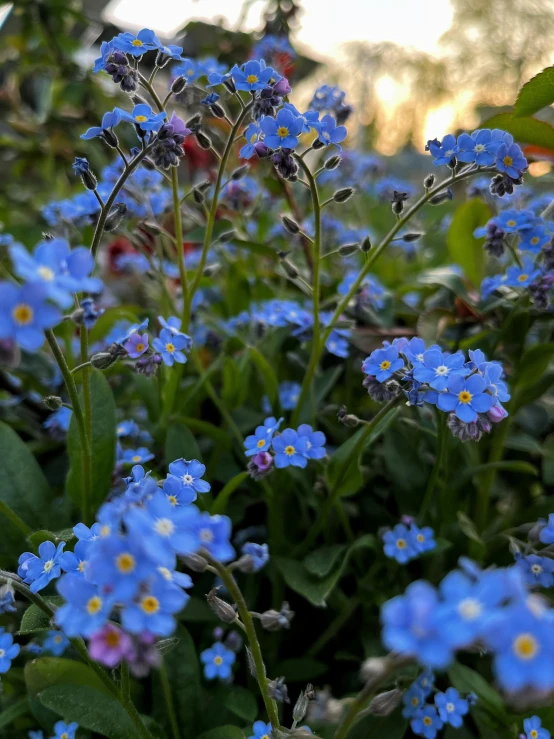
{"x":324,"y":24}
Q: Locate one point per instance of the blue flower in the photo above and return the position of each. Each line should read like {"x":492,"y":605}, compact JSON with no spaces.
{"x":310,"y":119}
{"x":512,"y":221}
{"x":259,"y":554}
{"x":210,"y":99}
{"x":436,"y":368}
{"x":290,"y":449}
{"x":170,"y":346}
{"x":510,"y":159}
{"x":493,"y":371}
{"x":36,"y":735}
{"x":154,"y":609}
{"x":413,"y":700}
{"x":212,"y":66}
{"x":172,"y":51}
{"x":109,"y":121}
{"x":451,"y":707}
{"x":189,"y":69}
{"x":59,"y":420}
{"x":218,"y":662}
{"x":126,"y":428}
{"x":281,"y":131}
{"x":479,"y":147}
{"x":142,"y":116}
{"x":490,"y":284}
{"x":289,"y":392}
{"x":7,"y":599}
{"x":106,"y":50}
{"x":521,"y":276}
{"x":8,"y":650}
{"x":261,"y":730}
{"x":425,"y":682}
{"x":137,"y":456}
{"x":422,"y":540}
{"x":77,"y":560}
{"x":190,"y":474}
{"x":316,"y":441}
{"x":329,"y":132}
{"x":383,"y":363}
{"x":59,"y":270}
{"x":254,"y":75}
{"x":86,"y":609}
{"x":56,"y":643}
{"x":427,"y":722}
{"x":214,"y":533}
{"x":466,"y":397}
{"x":119,"y":563}
{"x":444,"y":151}
{"x":252,"y":135}
{"x":398,"y":545}
{"x":547,"y":533}
{"x":536,"y":570}
{"x":37,"y":572}
{"x":65,"y":731}
{"x":533,"y":239}
{"x":260,"y":440}
{"x":145,"y":40}
{"x":177,"y":493}
{"x":24,"y":314}
{"x":533,"y":728}
{"x":411,"y":626}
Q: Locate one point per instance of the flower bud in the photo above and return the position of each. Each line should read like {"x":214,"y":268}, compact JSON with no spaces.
{"x":240,"y":172}
{"x":496,"y":414}
{"x":223,"y":610}
{"x":278,"y":690}
{"x":411,"y":237}
{"x":317,"y":144}
{"x":290,"y":269}
{"x":276,"y":620}
{"x":194,"y":123}
{"x":217,"y":110}
{"x":373,"y":668}
{"x":178,"y":85}
{"x":204,"y":142}
{"x":211,"y":269}
{"x":110,"y":138}
{"x":52,"y":402}
{"x":197,"y":196}
{"x":397,"y":207}
{"x":332,"y":163}
{"x":429,"y":181}
{"x":342,"y":195}
{"x":440,"y":197}
{"x":203,"y":186}
{"x":195,"y":562}
{"x":385,"y":703}
{"x":347,"y":249}
{"x":365,"y":246}
{"x":301,"y":705}
{"x":115,"y":216}
{"x":347,"y":418}
{"x":230,"y":85}
{"x":291,"y":226}
{"x":103,"y":360}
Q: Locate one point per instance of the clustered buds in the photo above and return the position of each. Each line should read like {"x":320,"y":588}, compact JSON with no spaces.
{"x":119,"y":70}
{"x":284,"y":163}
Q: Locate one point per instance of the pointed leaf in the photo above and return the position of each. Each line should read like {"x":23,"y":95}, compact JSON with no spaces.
{"x":536,"y":94}
{"x":464,"y":248}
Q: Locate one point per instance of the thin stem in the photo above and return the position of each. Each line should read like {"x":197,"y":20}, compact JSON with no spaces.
{"x":179,"y":235}
{"x":98,"y":198}
{"x":80,"y":367}
{"x":168,"y":697}
{"x":247,"y":620}
{"x":86,"y":483}
{"x":439,"y":461}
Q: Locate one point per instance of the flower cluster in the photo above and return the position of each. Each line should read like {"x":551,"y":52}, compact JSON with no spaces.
{"x":290,"y":447}
{"x":446,"y":709}
{"x":406,"y":542}
{"x":470,"y":391}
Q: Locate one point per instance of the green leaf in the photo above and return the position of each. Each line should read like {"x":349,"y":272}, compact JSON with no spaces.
{"x":103,"y":444}
{"x":266,"y":370}
{"x":220,"y":503}
{"x":23,"y":493}
{"x":232,"y":383}
{"x":183,"y":673}
{"x":203,"y":428}
{"x":548,"y":461}
{"x":180,"y":443}
{"x":321,"y":561}
{"x":38,"y":537}
{"x":376,"y":727}
{"x":464,"y":248}
{"x":46,"y":672}
{"x":242,"y":703}
{"x":35,"y":620}
{"x":14,"y":711}
{"x":524,"y":130}
{"x":223,"y":732}
{"x":91,"y":709}
{"x":446,"y":277}
{"x":536,"y":94}
{"x":263,"y":250}
{"x":533,"y":364}
{"x":301,"y":669}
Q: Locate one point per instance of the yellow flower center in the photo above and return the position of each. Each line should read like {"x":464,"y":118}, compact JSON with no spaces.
{"x":94,"y":605}
{"x":46,"y":273}
{"x":105,"y":530}
{"x":22,"y":314}
{"x":507,"y":161}
{"x":253,"y":138}
{"x":125,"y":562}
{"x":385,"y":364}
{"x":415,"y":701}
{"x":140,"y":118}
{"x":401,"y":543}
{"x":282,"y":131}
{"x":190,"y":72}
{"x":427,"y":720}
{"x":252,"y":78}
{"x":150,"y":605}
{"x":65,"y":735}
{"x":172,"y":499}
{"x":170,"y":347}
{"x":81,"y":566}
{"x":465,"y":397}
{"x":136,"y":458}
{"x":511,"y":223}
{"x":112,"y":639}
{"x":525,"y":646}
{"x":522,"y":278}
{"x":261,"y":443}
{"x":136,"y":42}
{"x":533,"y":734}
{"x":290,"y":450}
{"x":58,"y":639}
{"x":218,"y":660}
{"x":140,"y":347}
{"x":420,"y":538}
{"x":535,"y":240}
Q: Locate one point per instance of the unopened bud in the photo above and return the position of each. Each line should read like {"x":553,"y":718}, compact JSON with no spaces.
{"x":211,"y":269}
{"x":204,"y":142}
{"x":317,"y":144}
{"x":197,"y":196}
{"x":301,"y":705}
{"x":513,"y":547}
{"x":223,"y":610}
{"x":230,"y":85}
{"x":373,"y":668}
{"x":115,"y":216}
{"x":103,"y":360}
{"x":137,"y":100}
{"x":409,"y":238}
{"x":178,"y":85}
{"x":342,"y":195}
{"x":291,"y":226}
{"x":278,"y":690}
{"x":440,"y":197}
{"x":227,"y":235}
{"x":217,"y":110}
{"x":110,"y":138}
{"x":397,"y":207}
{"x":276,"y":620}
{"x":195,"y":562}
{"x":347,"y":249}
{"x":194,"y":123}
{"x":365,"y":246}
{"x":203,"y":186}
{"x":332,"y":163}
{"x":290,"y":269}
{"x":89,"y":180}
{"x":429,"y":181}
{"x":385,"y":703}
{"x":52,"y":402}
{"x":239,"y":173}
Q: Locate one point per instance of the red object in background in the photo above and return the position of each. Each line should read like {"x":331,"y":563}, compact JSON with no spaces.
{"x":197,"y":158}
{"x":538,"y":153}
{"x":117,"y":247}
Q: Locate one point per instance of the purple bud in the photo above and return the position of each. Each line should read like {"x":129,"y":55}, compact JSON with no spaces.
{"x":496,"y":414}
{"x":282,"y":87}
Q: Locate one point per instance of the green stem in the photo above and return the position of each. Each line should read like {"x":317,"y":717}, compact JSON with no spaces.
{"x":179,"y":236}
{"x":483,"y":498}
{"x":371,"y":258}
{"x":87,"y":406}
{"x":439,"y":461}
{"x":166,"y":688}
{"x":247,"y":620}
{"x":12,"y":516}
{"x":86,"y":482}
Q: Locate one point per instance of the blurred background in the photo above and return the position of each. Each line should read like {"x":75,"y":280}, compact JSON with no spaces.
{"x":411,"y":69}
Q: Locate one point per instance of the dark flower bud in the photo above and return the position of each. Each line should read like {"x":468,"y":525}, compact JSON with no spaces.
{"x":103,"y":360}
{"x":467,"y":431}
{"x":194,"y":123}
{"x":89,"y":180}
{"x":301,"y":705}
{"x":278,"y":690}
{"x":203,"y":186}
{"x":52,"y":402}
{"x":332,"y":163}
{"x":234,"y":641}
{"x":411,"y":237}
{"x":317,"y":144}
{"x":162,"y":59}
{"x":204,"y":142}
{"x":197,"y":196}
{"x":290,"y":269}
{"x":148,"y":364}
{"x":381,"y":392}
{"x":178,"y":85}
{"x":452,"y":163}
{"x":495,"y":240}
{"x":365,"y":246}
{"x":115,"y":216}
{"x":385,"y":703}
{"x":261,"y":150}
{"x":230,"y":85}
{"x":217,"y":110}
{"x":347,"y":249}
{"x":211,"y":269}
{"x":239,"y":172}
{"x":342,"y":195}
{"x":260,"y":465}
{"x":429,"y":181}
{"x":284,"y":163}
{"x":223,"y":610}
{"x":140,"y":133}
{"x":441,"y":197}
{"x":342,"y":113}
{"x":291,"y":226}
{"x":195,"y":562}
{"x":110,"y":138}
{"x":397,"y":207}
{"x":347,"y":418}
{"x":227,"y":235}
{"x":130,"y":80}
{"x":138,"y":100}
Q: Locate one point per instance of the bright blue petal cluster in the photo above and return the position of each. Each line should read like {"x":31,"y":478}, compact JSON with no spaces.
{"x":404,"y":543}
